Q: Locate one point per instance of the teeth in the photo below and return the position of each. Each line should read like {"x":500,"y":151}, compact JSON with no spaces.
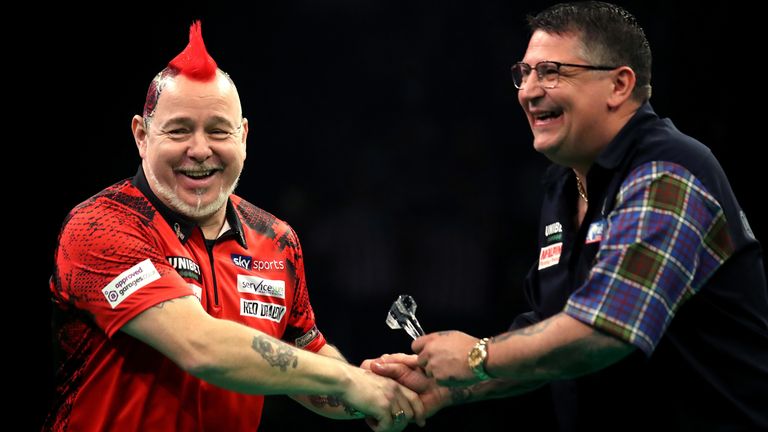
{"x":546,"y":115}
{"x":198,"y":174}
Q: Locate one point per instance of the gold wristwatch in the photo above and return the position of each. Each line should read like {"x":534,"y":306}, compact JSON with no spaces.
{"x":477,"y":357}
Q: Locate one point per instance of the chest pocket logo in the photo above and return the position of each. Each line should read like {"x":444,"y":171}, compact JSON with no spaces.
{"x":550,"y":255}
{"x":595,"y":232}
{"x":185,"y":267}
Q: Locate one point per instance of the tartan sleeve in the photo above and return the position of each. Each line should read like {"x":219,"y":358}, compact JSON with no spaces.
{"x":664,"y":239}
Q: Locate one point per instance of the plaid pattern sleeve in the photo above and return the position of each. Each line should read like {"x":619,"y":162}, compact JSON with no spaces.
{"x":664,"y":239}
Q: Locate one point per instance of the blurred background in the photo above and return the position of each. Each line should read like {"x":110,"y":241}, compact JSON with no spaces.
{"x":387,"y":133}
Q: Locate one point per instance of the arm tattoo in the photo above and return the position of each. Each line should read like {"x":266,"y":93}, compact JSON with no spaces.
{"x":162,"y":304}
{"x":334,"y":401}
{"x":281,"y":357}
{"x":460,"y":395}
{"x":525,"y":331}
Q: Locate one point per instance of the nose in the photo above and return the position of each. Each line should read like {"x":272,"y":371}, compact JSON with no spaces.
{"x":530,"y":90}
{"x":199,"y":148}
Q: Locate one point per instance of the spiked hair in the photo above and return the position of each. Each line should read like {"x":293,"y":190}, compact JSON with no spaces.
{"x":193,"y":62}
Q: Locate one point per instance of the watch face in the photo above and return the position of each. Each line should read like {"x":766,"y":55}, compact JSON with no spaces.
{"x":475,"y":357}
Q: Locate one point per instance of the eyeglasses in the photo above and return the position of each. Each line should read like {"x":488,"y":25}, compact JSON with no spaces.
{"x":548,"y":72}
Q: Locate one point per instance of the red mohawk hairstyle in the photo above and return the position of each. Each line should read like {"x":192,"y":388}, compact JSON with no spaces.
{"x":195,"y":62}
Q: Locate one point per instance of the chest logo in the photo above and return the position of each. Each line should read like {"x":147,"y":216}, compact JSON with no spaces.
{"x":553,"y":232}
{"x":257,"y":309}
{"x":550,"y":255}
{"x":185,"y":267}
{"x":595,"y":232}
{"x":260,"y":286}
{"x":242,"y":261}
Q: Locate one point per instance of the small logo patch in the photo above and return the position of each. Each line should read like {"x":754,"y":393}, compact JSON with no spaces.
{"x":308,"y":337}
{"x":595,"y":232}
{"x":553,"y":232}
{"x":185,"y":267}
{"x":130,"y":281}
{"x":197,"y":290}
{"x":242,"y":261}
{"x":261,"y":286}
{"x":257,"y":309}
{"x":550,"y":255}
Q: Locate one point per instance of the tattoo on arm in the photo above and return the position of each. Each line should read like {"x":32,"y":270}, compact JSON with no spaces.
{"x":283,"y":356}
{"x":525,"y":331}
{"x":162,"y":304}
{"x":460,"y":395}
{"x":334,"y":401}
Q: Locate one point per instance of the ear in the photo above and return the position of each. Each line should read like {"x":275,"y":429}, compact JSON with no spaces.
{"x":139,"y":134}
{"x":244,"y":135}
{"x":623,"y":84}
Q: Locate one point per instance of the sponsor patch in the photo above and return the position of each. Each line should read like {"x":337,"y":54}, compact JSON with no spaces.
{"x":307,"y":338}
{"x":260,"y":286}
{"x":257,"y":309}
{"x":268,"y":265}
{"x":595,"y":232}
{"x":197,"y":291}
{"x":550,"y":255}
{"x":130,"y":281}
{"x":185,"y":267}
{"x":553,"y":232}
{"x":242,"y":261}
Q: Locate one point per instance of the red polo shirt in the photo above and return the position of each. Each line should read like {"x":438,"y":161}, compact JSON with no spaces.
{"x":123,"y":251}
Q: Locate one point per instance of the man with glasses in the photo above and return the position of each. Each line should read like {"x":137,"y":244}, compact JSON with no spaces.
{"x":648,"y":300}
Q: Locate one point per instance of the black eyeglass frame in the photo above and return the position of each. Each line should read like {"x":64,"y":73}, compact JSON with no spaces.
{"x":520,"y":67}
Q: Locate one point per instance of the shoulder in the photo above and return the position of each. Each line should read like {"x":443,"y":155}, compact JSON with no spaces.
{"x":117,"y":209}
{"x":661,"y":140}
{"x":669,"y":188}
{"x":265,"y":223}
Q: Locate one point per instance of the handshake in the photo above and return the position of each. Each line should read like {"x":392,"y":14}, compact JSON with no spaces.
{"x":433,"y":378}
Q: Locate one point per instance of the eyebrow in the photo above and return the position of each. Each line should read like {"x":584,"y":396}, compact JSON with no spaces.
{"x":188,"y":122}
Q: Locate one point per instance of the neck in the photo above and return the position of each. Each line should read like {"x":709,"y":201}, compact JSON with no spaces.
{"x":212,"y":225}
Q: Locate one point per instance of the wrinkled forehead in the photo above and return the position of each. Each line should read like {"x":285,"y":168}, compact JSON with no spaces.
{"x":182,"y":93}
{"x":561,"y":47}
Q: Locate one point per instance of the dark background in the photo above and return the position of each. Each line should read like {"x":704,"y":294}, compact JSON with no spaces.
{"x":387,"y":133}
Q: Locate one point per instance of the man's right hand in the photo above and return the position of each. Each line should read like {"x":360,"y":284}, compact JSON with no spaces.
{"x":405,"y":369}
{"x":381,"y":399}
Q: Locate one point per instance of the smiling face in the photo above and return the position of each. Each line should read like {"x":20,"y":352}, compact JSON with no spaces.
{"x":193,"y":149}
{"x":569,"y":122}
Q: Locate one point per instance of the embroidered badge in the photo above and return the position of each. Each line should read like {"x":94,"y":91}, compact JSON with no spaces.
{"x":595,"y":232}
{"x":553,"y":232}
{"x":550,"y":255}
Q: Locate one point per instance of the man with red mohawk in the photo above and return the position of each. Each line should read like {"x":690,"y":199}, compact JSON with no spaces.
{"x":178,"y":304}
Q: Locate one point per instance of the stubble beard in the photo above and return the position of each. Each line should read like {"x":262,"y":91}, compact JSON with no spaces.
{"x":197,"y":211}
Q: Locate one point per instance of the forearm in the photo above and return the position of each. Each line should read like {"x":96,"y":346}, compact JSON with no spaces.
{"x":493,"y":389}
{"x":234,"y":356}
{"x":559,"y":347}
{"x":249,"y":361}
{"x":328,"y":405}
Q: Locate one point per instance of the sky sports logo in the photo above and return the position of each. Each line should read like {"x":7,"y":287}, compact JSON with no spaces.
{"x":242,"y":261}
{"x":248,"y":263}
